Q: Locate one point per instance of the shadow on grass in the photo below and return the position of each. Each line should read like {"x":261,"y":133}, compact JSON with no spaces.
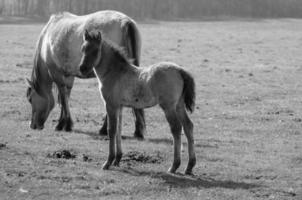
{"x":167,"y":141}
{"x":179,"y":180}
{"x":96,"y":136}
{"x":93,"y":134}
{"x":161,"y":140}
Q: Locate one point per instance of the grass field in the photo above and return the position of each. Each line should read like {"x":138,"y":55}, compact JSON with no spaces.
{"x":248,"y":120}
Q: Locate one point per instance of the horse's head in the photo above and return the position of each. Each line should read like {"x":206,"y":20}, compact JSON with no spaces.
{"x":41,"y":106}
{"x":91,"y":51}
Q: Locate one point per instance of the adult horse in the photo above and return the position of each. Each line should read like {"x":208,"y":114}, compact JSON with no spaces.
{"x":123,"y":84}
{"x":57,"y":57}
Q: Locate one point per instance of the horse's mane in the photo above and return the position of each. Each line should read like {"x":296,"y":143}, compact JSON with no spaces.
{"x":36,"y":77}
{"x":59,"y":15}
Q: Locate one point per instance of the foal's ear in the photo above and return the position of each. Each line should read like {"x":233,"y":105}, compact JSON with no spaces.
{"x":86,"y":35}
{"x":99,"y":36}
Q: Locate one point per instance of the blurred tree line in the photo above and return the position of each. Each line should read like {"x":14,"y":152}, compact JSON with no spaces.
{"x":157,"y":9}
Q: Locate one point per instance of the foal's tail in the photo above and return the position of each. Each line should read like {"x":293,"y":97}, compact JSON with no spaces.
{"x":188,"y":90}
{"x":132,"y":41}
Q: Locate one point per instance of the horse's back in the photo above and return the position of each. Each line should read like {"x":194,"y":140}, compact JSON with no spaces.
{"x":63,"y":36}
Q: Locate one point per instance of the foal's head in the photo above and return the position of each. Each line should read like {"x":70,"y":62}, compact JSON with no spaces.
{"x":91,"y":51}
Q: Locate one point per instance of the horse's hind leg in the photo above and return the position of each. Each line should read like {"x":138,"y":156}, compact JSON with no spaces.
{"x":188,"y":129}
{"x":140,"y":124}
{"x":175,"y":126}
{"x":65,"y":121}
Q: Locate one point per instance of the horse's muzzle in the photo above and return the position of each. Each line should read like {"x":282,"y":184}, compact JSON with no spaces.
{"x":35,"y":126}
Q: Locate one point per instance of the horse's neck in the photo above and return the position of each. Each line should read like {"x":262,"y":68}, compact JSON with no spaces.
{"x":42,"y":79}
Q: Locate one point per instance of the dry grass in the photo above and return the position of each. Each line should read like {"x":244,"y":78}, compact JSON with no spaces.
{"x":247,"y":120}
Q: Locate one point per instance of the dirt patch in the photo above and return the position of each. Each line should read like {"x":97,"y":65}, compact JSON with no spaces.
{"x":143,"y":157}
{"x":64,"y":154}
{"x":281,"y":111}
{"x":2,"y":146}
{"x":86,"y":158}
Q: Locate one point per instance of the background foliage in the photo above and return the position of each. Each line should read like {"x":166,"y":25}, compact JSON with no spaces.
{"x":157,"y":9}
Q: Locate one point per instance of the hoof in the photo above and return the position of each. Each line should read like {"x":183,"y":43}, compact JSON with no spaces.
{"x":106,"y":166}
{"x":68,"y":125}
{"x":139,"y":135}
{"x":60,"y":126}
{"x":172,"y":170}
{"x":68,"y":128}
{"x":174,"y":166}
{"x":116,"y":163}
{"x":103,"y":132}
{"x":190,"y":166}
{"x":188,"y":172}
{"x":117,"y":160}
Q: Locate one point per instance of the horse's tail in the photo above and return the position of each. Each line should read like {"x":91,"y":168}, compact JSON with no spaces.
{"x":132,"y":41}
{"x":188,"y":90}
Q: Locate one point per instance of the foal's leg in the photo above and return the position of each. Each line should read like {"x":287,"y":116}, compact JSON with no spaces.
{"x":175,"y":126}
{"x":188,"y":129}
{"x":112,"y":127}
{"x":140,"y":124}
{"x":119,"y":153}
{"x":65,"y":120}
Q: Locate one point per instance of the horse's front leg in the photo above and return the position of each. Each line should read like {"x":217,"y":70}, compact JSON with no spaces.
{"x":65,"y":121}
{"x":140,"y":124}
{"x":112,"y":114}
{"x":119,"y":152}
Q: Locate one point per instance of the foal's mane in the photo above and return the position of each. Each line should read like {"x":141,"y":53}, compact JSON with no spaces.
{"x":119,"y":53}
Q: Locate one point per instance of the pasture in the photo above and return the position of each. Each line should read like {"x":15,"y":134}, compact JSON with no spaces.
{"x":248,"y":120}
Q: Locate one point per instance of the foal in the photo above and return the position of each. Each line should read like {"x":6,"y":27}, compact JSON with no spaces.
{"x":123,"y":84}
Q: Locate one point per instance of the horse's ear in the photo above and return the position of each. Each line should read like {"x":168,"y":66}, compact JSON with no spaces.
{"x":86,"y":35}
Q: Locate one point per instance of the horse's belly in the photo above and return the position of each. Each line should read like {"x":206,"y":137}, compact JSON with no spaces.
{"x":140,"y":97}
{"x":140,"y":103}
